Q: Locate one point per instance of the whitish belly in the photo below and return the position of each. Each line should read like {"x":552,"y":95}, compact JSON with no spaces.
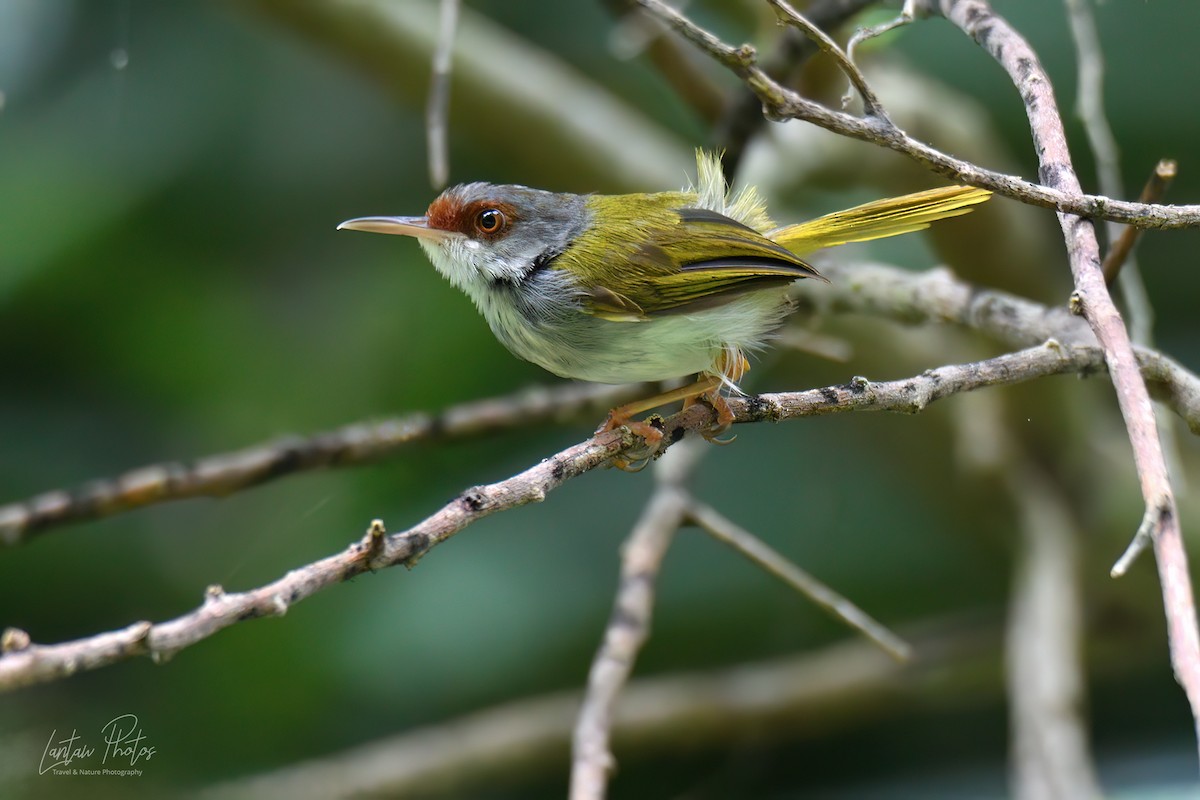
{"x":587,"y":348}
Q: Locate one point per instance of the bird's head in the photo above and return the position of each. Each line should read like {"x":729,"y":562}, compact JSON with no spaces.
{"x":478,"y":234}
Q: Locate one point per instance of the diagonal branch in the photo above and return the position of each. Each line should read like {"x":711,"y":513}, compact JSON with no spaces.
{"x":728,"y":532}
{"x":362,"y":442}
{"x":743,"y":115}
{"x":781,"y":103}
{"x":1009,"y":48}
{"x":1120,"y":252}
{"x":33,"y":663}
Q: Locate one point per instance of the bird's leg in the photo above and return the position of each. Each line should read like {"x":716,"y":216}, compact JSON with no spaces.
{"x":733,"y":365}
{"x":623,"y":415}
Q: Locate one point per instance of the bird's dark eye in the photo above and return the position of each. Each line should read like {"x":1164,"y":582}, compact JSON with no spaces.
{"x":490,"y":221}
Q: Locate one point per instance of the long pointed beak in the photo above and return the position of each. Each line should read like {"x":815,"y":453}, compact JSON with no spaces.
{"x":401,"y":226}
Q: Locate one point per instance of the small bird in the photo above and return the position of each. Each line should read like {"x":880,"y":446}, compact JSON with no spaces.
{"x":642,"y":287}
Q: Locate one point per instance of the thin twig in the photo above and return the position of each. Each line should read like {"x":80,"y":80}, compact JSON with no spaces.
{"x":743,"y":115}
{"x":438,"y":106}
{"x":906,"y":16}
{"x":359,"y":443}
{"x":1154,"y":190}
{"x":1142,"y":539}
{"x":871,"y":105}
{"x":781,"y":103}
{"x":728,"y":532}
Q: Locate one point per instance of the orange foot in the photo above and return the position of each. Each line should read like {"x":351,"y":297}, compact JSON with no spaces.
{"x":651,"y":433}
{"x":724,"y":415}
{"x":731,"y":364}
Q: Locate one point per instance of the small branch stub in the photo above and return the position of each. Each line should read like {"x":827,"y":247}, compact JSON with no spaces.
{"x":373,"y":542}
{"x":14,"y":640}
{"x":1152,"y":523}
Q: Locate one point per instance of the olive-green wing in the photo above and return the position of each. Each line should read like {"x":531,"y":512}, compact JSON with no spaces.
{"x":694,"y":259}
{"x":889,"y":217}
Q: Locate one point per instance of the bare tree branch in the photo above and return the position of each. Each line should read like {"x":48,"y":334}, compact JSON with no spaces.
{"x":906,"y":16}
{"x":743,"y":115}
{"x":781,"y":103}
{"x":1121,"y":246}
{"x":1009,"y":48}
{"x":359,"y":443}
{"x":36,"y":663}
{"x":871,"y":105}
{"x":726,"y":531}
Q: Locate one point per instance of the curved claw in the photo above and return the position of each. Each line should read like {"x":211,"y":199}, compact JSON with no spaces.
{"x":641,"y":456}
{"x":712,"y":437}
{"x":636,"y":459}
{"x":636,"y":465}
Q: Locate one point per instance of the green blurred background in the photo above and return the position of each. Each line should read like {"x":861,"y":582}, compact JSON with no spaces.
{"x":171,"y":285}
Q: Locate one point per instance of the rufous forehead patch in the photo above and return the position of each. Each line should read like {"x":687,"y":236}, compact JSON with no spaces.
{"x":449,"y":213}
{"x":444,"y":213}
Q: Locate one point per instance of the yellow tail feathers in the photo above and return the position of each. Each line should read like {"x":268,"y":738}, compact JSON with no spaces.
{"x":880,"y":219}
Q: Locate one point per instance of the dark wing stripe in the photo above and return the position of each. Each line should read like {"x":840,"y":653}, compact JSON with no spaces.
{"x":793,"y":267}
{"x":708,"y":215}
